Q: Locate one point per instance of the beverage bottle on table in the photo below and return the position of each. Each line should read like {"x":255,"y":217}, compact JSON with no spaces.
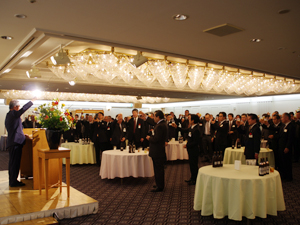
{"x":264,"y":166}
{"x":267,"y":166}
{"x":238,"y":144}
{"x":232,"y":144}
{"x":221,"y":159}
{"x":260,"y":168}
{"x":218,"y":159}
{"x":214,"y":161}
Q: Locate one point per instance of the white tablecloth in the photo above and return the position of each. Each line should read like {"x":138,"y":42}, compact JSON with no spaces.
{"x":80,"y":154}
{"x":224,"y":191}
{"x":175,"y":151}
{"x":238,"y":154}
{"x":116,"y":163}
{"x":3,"y":143}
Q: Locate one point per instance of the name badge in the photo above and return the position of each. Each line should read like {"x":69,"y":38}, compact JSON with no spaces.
{"x":124,"y":129}
{"x":102,"y":123}
{"x":190,"y":134}
{"x":221,"y":125}
{"x":108,"y":128}
{"x":233,"y":125}
{"x":139,"y":126}
{"x":201,"y":124}
{"x":250,"y":135}
{"x":153,"y":132}
{"x":170,"y":124}
{"x":285,"y":130}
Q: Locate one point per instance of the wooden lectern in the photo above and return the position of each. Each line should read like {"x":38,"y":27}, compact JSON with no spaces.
{"x":29,"y":162}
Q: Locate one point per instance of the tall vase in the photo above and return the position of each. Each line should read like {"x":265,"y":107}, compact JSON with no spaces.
{"x":53,"y":138}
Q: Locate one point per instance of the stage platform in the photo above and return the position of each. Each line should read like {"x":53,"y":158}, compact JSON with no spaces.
{"x":23,"y":203}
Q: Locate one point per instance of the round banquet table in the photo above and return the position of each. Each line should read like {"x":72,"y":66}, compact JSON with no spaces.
{"x":80,"y":154}
{"x":116,"y":163}
{"x":238,"y":154}
{"x":3,"y":143}
{"x":175,"y":150}
{"x":224,"y":191}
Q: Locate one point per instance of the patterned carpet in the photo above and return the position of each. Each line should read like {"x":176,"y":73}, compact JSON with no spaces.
{"x":132,"y":202}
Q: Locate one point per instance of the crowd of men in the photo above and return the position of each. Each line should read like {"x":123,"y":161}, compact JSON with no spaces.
{"x":282,"y":133}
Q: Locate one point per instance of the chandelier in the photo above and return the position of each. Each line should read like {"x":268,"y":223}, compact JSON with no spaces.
{"x":66,"y":96}
{"x":96,"y":65}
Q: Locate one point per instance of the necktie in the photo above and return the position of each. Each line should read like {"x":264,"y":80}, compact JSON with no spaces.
{"x":134,"y":126}
{"x":230,"y":124}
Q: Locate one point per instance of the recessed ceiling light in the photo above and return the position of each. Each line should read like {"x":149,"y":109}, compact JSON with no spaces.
{"x":256,"y":40}
{"x":7,"y":71}
{"x":26,"y":54}
{"x":20,"y":16}
{"x":7,"y":37}
{"x":72,"y":83}
{"x":284,"y":11}
{"x":180,"y":17}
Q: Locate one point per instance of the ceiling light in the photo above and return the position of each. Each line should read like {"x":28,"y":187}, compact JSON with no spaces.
{"x":26,"y":54}
{"x":60,"y":58}
{"x":20,"y":16}
{"x":138,"y":60}
{"x":72,"y":82}
{"x":37,"y":93}
{"x":7,"y":71}
{"x":7,"y":37}
{"x":33,"y":73}
{"x":284,"y":11}
{"x":180,"y":17}
{"x":256,"y":40}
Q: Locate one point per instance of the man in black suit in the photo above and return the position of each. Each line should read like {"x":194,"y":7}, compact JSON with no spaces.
{"x":15,"y":139}
{"x":99,"y":136}
{"x":232,"y":131}
{"x":157,"y":147}
{"x":193,"y":142}
{"x":297,"y":138}
{"x":78,"y":126}
{"x":184,"y":121}
{"x":119,"y":132}
{"x":135,"y":129}
{"x":221,"y":127}
{"x":89,"y":127}
{"x":274,"y":131}
{"x":172,"y":130}
{"x":285,"y":144}
{"x":252,"y":137}
{"x":148,"y":130}
{"x":208,"y":133}
{"x":245,"y":126}
{"x":108,"y":121}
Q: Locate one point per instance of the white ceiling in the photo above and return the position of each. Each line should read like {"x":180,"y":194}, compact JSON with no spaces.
{"x":149,"y":25}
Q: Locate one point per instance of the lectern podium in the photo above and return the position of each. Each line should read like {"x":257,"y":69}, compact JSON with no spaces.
{"x":29,"y":161}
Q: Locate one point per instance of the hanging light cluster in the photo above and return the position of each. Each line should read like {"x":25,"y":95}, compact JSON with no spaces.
{"x":65,"y":96}
{"x":96,"y":66}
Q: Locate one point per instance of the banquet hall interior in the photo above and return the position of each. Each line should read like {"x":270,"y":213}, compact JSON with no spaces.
{"x":100,"y":62}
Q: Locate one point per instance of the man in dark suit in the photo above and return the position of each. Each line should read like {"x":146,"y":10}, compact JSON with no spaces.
{"x":135,"y":129}
{"x":172,"y":130}
{"x":89,"y":127}
{"x":184,"y":121}
{"x":208,"y":134}
{"x":245,"y":126}
{"x":148,"y":130}
{"x":252,"y":137}
{"x":99,"y":136}
{"x":119,"y":132}
{"x":157,"y":147}
{"x":285,"y":144}
{"x":232,"y":131}
{"x":78,"y":126}
{"x":274,"y":130}
{"x":193,"y":142}
{"x":221,"y":127}
{"x":15,"y":139}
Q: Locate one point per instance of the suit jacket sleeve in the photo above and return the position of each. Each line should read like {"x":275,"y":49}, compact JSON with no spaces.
{"x":23,"y":109}
{"x":257,"y":136}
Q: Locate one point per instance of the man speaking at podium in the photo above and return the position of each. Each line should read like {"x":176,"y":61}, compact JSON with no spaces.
{"x":15,"y":139}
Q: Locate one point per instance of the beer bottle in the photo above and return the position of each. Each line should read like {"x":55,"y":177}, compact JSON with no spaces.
{"x":218,"y":159}
{"x":214,"y":161}
{"x":221,"y":159}
{"x":267,"y":166}
{"x":260,"y":168}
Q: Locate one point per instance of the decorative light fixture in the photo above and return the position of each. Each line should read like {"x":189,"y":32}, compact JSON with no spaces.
{"x":103,"y":66}
{"x":72,"y":82}
{"x":138,"y":60}
{"x":180,"y":17}
{"x":66,"y":96}
{"x":33,"y":73}
{"x":61,"y":58}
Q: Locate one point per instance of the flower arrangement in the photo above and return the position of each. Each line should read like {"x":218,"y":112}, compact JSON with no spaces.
{"x":53,"y":116}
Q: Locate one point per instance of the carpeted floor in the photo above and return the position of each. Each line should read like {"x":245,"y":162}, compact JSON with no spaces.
{"x":132,"y":202}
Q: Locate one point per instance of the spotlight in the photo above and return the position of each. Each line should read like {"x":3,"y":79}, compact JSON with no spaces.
{"x":138,"y":60}
{"x":72,"y":82}
{"x":33,"y":73}
{"x":60,"y":58}
{"x":37,"y":93}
